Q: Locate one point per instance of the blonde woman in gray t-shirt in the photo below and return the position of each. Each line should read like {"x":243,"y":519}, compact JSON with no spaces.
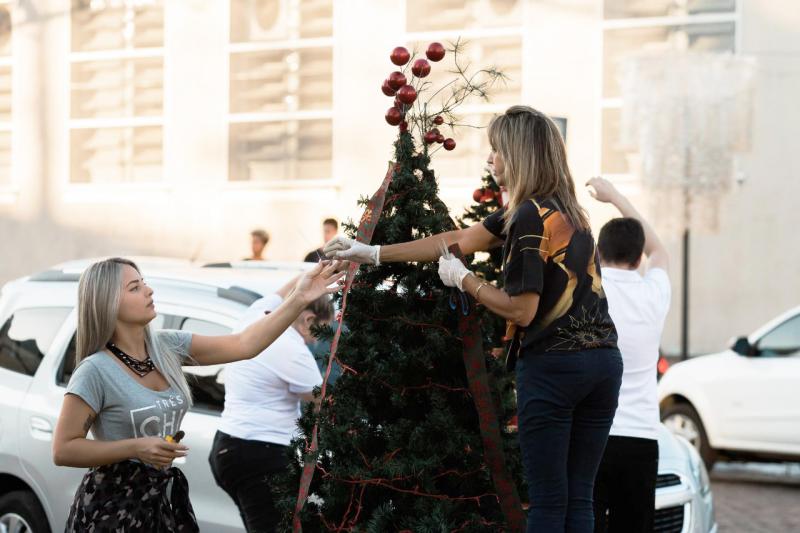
{"x":129,"y":389}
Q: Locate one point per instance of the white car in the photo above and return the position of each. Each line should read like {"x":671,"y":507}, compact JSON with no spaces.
{"x":37,"y":335}
{"x":684,"y":501}
{"x":744,"y":402}
{"x":37,"y":346}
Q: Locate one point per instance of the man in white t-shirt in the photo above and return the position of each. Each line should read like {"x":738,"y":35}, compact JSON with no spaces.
{"x":262,"y":405}
{"x":625,"y":486}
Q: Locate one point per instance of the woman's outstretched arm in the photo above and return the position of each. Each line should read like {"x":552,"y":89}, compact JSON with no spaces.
{"x":473,"y":239}
{"x":218,"y":349}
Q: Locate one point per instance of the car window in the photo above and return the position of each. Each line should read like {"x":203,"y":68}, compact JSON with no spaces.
{"x":208,"y":393}
{"x":68,"y":361}
{"x":27,"y":335}
{"x":784,"y":340}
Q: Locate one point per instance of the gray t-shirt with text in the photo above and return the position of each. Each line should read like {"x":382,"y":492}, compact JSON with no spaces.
{"x":125,"y":408}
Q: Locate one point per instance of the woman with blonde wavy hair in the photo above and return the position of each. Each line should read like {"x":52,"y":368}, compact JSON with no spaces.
{"x":129,"y":390}
{"x":569,"y":368}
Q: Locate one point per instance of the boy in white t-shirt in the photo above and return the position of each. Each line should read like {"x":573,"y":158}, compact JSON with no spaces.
{"x":625,"y":487}
{"x":262,"y":405}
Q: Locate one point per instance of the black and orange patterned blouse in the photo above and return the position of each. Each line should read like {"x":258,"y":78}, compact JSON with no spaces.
{"x":544,"y":254}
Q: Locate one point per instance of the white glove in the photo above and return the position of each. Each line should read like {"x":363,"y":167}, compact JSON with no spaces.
{"x":347,"y":249}
{"x":452,"y":271}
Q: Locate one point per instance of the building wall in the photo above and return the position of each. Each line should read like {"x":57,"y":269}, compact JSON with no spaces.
{"x":196,"y":212}
{"x":747,"y":272}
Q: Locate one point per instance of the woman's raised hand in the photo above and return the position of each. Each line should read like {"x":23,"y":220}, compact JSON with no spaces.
{"x":325,"y":278}
{"x":602,"y":190}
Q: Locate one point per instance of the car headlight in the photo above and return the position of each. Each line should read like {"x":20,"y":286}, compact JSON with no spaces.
{"x":699,"y":471}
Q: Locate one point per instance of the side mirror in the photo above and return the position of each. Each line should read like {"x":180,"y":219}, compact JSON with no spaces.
{"x":742,"y":346}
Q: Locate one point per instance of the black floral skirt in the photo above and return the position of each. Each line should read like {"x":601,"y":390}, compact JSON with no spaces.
{"x":130,"y":496}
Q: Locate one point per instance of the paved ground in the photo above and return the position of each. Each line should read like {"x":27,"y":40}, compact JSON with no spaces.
{"x":754,"y":498}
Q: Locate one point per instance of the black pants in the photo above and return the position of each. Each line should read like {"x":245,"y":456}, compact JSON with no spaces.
{"x":243,"y":469}
{"x":625,"y":488}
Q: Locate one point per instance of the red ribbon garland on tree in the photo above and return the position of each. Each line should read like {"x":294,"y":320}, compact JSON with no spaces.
{"x":366,"y":228}
{"x":474,"y":361}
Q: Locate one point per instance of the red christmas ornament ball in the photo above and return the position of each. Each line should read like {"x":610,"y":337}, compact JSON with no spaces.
{"x":449,"y":144}
{"x":394,"y":116}
{"x":407,"y":94}
{"x":477,"y":195}
{"x":388,"y":91}
{"x":438,"y":120}
{"x":396,"y":80}
{"x":403,"y":126}
{"x":440,"y":138}
{"x":400,"y":56}
{"x":489,"y":195}
{"x":435,"y":130}
{"x":421,"y":68}
{"x":430,"y":137}
{"x":435,"y":51}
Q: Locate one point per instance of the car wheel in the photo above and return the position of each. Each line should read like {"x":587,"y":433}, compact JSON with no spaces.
{"x":681,"y":419}
{"x":20,"y":512}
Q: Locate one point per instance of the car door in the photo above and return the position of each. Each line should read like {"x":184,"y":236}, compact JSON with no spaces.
{"x":764,"y":392}
{"x":214,"y":509}
{"x":50,"y":329}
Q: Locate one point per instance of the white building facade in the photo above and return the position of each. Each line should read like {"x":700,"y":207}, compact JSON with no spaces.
{"x":175,"y":127}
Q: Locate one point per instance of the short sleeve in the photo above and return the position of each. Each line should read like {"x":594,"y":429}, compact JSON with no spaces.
{"x":299,"y":370}
{"x":176,"y":341}
{"x":657,"y":280}
{"x":524,"y":264}
{"x":86,"y":382}
{"x":257,"y":310}
{"x":494,"y":223}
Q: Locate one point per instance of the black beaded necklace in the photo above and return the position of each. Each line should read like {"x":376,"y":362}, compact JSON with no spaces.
{"x":140,"y":368}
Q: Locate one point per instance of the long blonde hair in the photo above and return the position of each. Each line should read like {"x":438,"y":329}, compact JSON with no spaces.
{"x":98,"y":304}
{"x":535,"y":162}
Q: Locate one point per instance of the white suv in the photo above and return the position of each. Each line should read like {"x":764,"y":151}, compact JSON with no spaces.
{"x":37,"y":336}
{"x":744,"y":402}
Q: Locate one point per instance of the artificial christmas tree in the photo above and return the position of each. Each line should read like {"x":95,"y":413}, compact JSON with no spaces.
{"x":408,"y":438}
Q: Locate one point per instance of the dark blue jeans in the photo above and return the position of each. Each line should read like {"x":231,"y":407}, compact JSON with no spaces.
{"x":566,"y":402}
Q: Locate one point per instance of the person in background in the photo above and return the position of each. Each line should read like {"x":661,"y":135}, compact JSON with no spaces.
{"x":329,"y":229}
{"x":259,"y":239}
{"x":625,"y":488}
{"x":262,"y":405}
